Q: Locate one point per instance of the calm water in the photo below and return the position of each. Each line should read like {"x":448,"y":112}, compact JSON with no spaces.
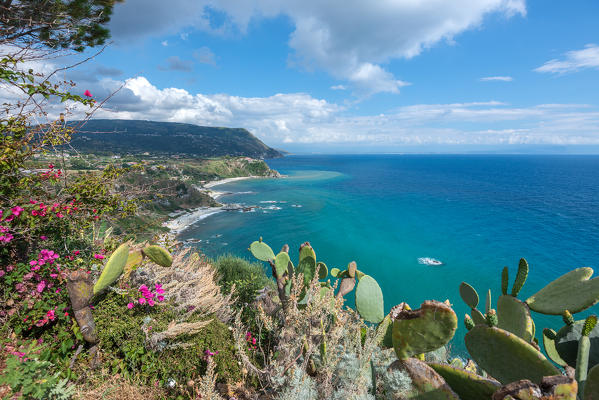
{"x":474,"y":213}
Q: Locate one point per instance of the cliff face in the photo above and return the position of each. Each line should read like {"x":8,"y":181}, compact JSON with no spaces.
{"x":134,"y":136}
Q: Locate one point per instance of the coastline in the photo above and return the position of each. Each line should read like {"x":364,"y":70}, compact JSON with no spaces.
{"x":182,"y":222}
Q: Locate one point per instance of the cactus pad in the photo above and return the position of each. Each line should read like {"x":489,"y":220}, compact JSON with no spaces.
{"x":427,"y":384}
{"x":467,"y":385}
{"x":323,"y":271}
{"x":591,"y":388}
{"x":423,"y":330}
{"x":281,"y":263}
{"x":158,"y":255}
{"x":549,"y":345}
{"x":514,"y":317}
{"x":478,"y":317}
{"x":469,"y":295}
{"x":507,"y":357}
{"x":307,"y":266}
{"x":351,"y":269}
{"x":369,"y":300}
{"x":505,"y":280}
{"x":573,"y":291}
{"x":520,"y":277}
{"x":566,"y":343}
{"x":113,"y":268}
{"x":335,"y":272}
{"x":262,"y":251}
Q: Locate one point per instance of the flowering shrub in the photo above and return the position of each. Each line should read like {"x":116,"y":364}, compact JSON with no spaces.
{"x":146,"y":297}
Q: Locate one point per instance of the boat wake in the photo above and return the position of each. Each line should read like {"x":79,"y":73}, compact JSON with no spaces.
{"x":429,"y":261}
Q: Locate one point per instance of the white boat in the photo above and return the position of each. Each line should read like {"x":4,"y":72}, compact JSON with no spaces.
{"x":429,"y":261}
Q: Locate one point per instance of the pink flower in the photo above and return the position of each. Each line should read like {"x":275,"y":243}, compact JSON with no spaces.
{"x":98,"y":256}
{"x":51,"y":166}
{"x":76,"y":252}
{"x":87,"y":93}
{"x":151,"y":303}
{"x":130,"y":305}
{"x":43,"y":237}
{"x":41,"y":286}
{"x":51,"y":315}
{"x":17,"y":211}
{"x":142,"y":300}
{"x":160,"y":298}
{"x":2,"y":273}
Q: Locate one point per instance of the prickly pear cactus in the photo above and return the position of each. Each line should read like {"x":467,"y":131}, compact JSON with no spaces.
{"x":282,"y":263}
{"x":573,"y":291}
{"x":520,"y":277}
{"x":584,"y":346}
{"x":369,"y":300}
{"x":566,"y":343}
{"x":158,"y":255}
{"x":505,"y":280}
{"x":307,"y":263}
{"x":262,"y":251}
{"x":469,"y":295}
{"x":505,"y":356}
{"x":549,"y":336}
{"x":427,"y":384}
{"x":425,"y":329}
{"x":467,"y":385}
{"x":113,"y":268}
{"x":591,"y":389}
{"x":514,"y":316}
{"x":323,"y":271}
{"x":335,"y":272}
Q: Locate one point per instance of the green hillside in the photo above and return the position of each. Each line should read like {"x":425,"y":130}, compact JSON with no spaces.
{"x":132,"y":136}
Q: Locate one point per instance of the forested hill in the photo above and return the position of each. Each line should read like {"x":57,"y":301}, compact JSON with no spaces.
{"x":131,"y":136}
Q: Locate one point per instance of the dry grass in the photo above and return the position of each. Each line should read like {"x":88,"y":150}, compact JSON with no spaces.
{"x":301,"y":333}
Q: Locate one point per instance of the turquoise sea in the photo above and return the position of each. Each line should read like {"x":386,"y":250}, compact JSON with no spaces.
{"x":475,"y":213}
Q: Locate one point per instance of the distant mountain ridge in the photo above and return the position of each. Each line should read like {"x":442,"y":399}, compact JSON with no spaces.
{"x":134,"y":136}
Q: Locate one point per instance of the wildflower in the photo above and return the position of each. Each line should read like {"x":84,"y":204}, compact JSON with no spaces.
{"x":2,"y":273}
{"x":87,"y":94}
{"x":43,"y":237}
{"x":51,"y":315}
{"x":98,"y":256}
{"x":41,"y":286}
{"x":51,"y":166}
{"x":142,"y":300}
{"x":16,"y":211}
{"x":160,"y":298}
{"x":151,"y":303}
{"x":130,"y":306}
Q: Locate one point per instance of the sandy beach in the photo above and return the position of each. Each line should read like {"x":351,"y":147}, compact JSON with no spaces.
{"x":182,"y":222}
{"x":227,"y":180}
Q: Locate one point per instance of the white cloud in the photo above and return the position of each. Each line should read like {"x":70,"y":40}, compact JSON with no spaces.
{"x":496,"y":78}
{"x":339,"y":87}
{"x":164,"y":43}
{"x":573,"y":61}
{"x":295,"y":119}
{"x":350,"y":39}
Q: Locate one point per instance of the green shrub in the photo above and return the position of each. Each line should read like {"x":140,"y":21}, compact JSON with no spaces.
{"x":122,"y":334}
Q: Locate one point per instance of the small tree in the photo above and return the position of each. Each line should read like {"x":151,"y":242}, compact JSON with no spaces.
{"x":56,"y":24}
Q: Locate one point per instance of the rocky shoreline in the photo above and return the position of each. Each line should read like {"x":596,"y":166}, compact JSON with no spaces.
{"x":183,"y":220}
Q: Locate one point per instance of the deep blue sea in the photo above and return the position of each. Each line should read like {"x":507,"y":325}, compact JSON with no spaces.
{"x":475,"y":213}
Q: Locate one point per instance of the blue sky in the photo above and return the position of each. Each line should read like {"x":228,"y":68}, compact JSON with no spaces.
{"x":360,"y":76}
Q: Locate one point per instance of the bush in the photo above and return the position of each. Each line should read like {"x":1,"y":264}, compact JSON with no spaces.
{"x":122,"y":335}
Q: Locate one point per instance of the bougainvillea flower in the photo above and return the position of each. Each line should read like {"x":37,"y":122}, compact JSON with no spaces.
{"x":87,"y":93}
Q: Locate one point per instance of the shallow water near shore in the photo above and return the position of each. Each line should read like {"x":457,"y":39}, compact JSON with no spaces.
{"x":475,"y":213}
